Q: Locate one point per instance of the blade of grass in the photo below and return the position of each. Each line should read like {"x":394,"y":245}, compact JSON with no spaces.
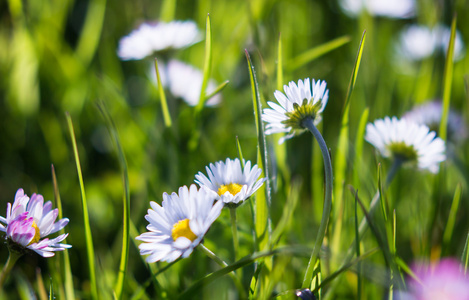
{"x":447,"y":81}
{"x":316,"y":52}
{"x":279,"y":63}
{"x":164,"y":103}
{"x":207,"y":65}
{"x":67,"y":269}
{"x":340,"y":162}
{"x":381,"y":197}
{"x":217,"y":90}
{"x":40,"y":285}
{"x":86,"y":218}
{"x":357,"y":246}
{"x":359,"y":147}
{"x":262,"y":206}
{"x":448,"y":233}
{"x":119,"y":287}
{"x":465,"y":255}
{"x":287,"y":215}
{"x":168,"y":9}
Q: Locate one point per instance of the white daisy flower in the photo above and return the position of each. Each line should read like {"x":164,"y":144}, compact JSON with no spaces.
{"x":149,"y":38}
{"x":407,"y":141}
{"x":179,"y":225}
{"x":429,"y":114}
{"x":29,"y":221}
{"x":298,"y":104}
{"x":185,"y":81}
{"x":232,"y":184}
{"x":401,"y":9}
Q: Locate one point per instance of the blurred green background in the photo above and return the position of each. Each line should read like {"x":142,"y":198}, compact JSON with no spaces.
{"x":60,"y":56}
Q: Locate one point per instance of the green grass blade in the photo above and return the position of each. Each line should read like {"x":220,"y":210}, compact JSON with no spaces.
{"x":207,"y":65}
{"x":164,"y":103}
{"x":67,"y":269}
{"x":168,"y":10}
{"x":465,"y":255}
{"x":357,"y":250}
{"x":240,"y":152}
{"x":340,"y":162}
{"x":287,"y":215}
{"x":86,"y":218}
{"x":91,"y":32}
{"x":125,"y":199}
{"x":381,"y":196}
{"x":217,"y":90}
{"x":316,"y":52}
{"x":448,"y":233}
{"x":262,"y":206}
{"x":250,"y":259}
{"x":359,"y":141}
{"x":447,"y":81}
{"x":279,"y":64}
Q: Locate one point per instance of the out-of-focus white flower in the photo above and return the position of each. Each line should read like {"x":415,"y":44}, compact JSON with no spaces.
{"x":232,"y":184}
{"x":30,"y":221}
{"x":302,"y":101}
{"x":430,"y":113}
{"x":159,"y":36}
{"x":185,"y":81}
{"x":401,"y":9}
{"x":179,"y":225}
{"x":417,"y":42}
{"x":407,"y":141}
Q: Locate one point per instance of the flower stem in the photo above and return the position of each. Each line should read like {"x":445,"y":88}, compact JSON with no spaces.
{"x":12,"y":258}
{"x":223,"y":264}
{"x":308,"y":123}
{"x":234,"y":230}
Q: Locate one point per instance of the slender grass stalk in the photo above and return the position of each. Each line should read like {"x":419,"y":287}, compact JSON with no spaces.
{"x":223,"y":264}
{"x":12,"y":259}
{"x":40,"y":285}
{"x":217,"y":90}
{"x":86,"y":218}
{"x":279,"y":63}
{"x":67,"y":269}
{"x":448,"y":233}
{"x":164,"y":103}
{"x":465,"y":255}
{"x":357,"y":247}
{"x":207,"y":65}
{"x":168,"y":10}
{"x":308,"y":123}
{"x":234,"y":230}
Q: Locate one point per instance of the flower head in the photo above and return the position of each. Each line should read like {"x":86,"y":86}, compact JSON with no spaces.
{"x":407,"y":141}
{"x":232,"y":184}
{"x":185,"y":81}
{"x":28,"y":221}
{"x":302,"y":101}
{"x":430,"y":113}
{"x":179,"y":225}
{"x":157,"y":37}
{"x":442,"y":280}
{"x":401,"y":9}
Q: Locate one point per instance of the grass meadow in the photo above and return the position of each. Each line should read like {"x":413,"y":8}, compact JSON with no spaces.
{"x":96,"y":135}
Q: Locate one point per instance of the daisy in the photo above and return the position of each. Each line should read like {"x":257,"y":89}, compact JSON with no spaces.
{"x":179,"y":225}
{"x":441,"y":280}
{"x":29,"y":221}
{"x":149,"y":38}
{"x":185,"y":81}
{"x":301,"y":102}
{"x":401,"y":9}
{"x":429,"y":114}
{"x":407,"y":141}
{"x":232,"y":184}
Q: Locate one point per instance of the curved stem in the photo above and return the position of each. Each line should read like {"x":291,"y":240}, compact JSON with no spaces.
{"x":12,"y":258}
{"x":222,"y":263}
{"x":308,"y":123}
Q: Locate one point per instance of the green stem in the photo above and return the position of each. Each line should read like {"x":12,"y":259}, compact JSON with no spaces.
{"x":234,"y":229}
{"x":223,"y":264}
{"x":308,"y":123}
{"x":12,"y":258}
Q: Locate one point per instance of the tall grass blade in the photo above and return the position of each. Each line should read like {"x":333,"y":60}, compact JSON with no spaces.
{"x":164,"y":103}
{"x":465,"y":255}
{"x":448,"y":233}
{"x":340,"y":162}
{"x":359,"y":147}
{"x":316,"y":52}
{"x":381,"y":196}
{"x":287,"y":215}
{"x":125,"y":199}
{"x":67,"y":269}
{"x":217,"y":90}
{"x":279,"y":63}
{"x":357,"y":250}
{"x":447,"y":81}
{"x":86,"y":218}
{"x":168,"y":10}
{"x":207,"y":65}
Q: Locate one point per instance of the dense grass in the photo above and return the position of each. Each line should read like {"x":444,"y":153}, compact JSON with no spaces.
{"x":58,"y":59}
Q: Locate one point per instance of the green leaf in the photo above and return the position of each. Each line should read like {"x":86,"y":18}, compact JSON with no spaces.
{"x":86,"y":218}
{"x":164,"y":103}
{"x":316,"y":52}
{"x":447,"y":81}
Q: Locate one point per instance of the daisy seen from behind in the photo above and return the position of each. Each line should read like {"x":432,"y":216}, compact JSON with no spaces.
{"x":29,"y":221}
{"x":230,"y":181}
{"x":179,"y":224}
{"x":300,"y":102}
{"x":407,"y":141}
{"x":151,"y":37}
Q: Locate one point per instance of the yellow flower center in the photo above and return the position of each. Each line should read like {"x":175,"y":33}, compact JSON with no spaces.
{"x":182,"y":228}
{"x":233,"y":188}
{"x":37,"y":235}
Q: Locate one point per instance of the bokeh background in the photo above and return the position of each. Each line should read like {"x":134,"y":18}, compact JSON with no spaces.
{"x":59,"y":56}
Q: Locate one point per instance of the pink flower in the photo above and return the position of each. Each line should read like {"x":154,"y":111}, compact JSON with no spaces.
{"x":29,"y":221}
{"x":443,"y":281}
